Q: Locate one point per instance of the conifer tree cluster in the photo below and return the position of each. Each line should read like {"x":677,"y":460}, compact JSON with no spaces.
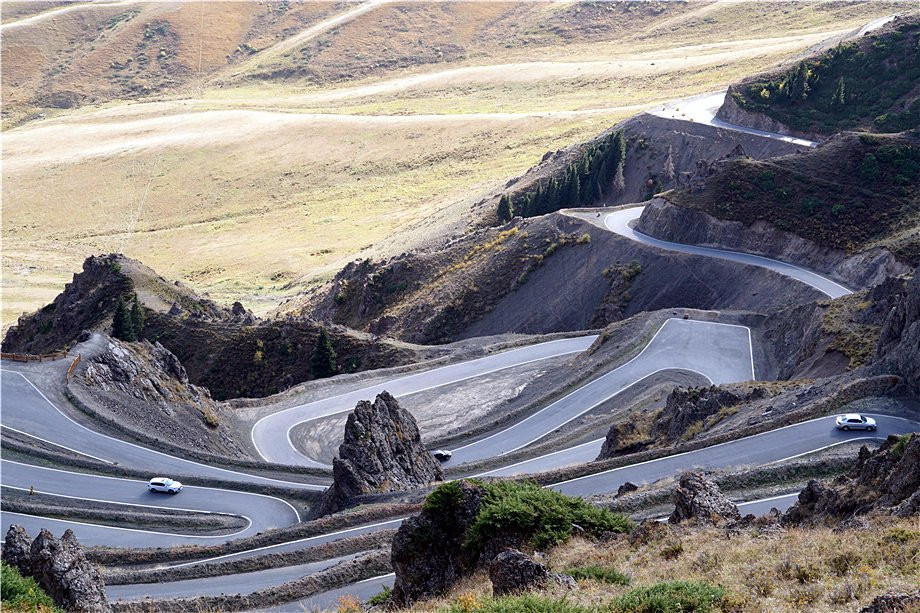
{"x":323,"y":358}
{"x":598,"y":172}
{"x":128,"y":325}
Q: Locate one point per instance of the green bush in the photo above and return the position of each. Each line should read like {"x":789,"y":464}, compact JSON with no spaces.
{"x":668,"y":597}
{"x":527,"y":603}
{"x":604,"y":574}
{"x":898,"y":449}
{"x":382,"y":597}
{"x":540,"y":517}
{"x":20,"y":593}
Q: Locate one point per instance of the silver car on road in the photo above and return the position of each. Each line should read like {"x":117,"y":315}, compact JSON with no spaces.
{"x":855,"y":421}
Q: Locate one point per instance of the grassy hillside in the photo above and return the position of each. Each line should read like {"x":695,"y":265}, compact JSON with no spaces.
{"x":255,"y":188}
{"x":872,"y":83}
{"x":855,"y":192}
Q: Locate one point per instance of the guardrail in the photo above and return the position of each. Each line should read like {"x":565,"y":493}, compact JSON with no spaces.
{"x":73,"y":365}
{"x":28,"y":357}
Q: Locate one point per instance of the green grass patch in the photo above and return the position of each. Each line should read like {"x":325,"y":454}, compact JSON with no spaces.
{"x":20,"y":593}
{"x":898,"y":449}
{"x":669,"y":596}
{"x":382,"y":597}
{"x":538,"y":516}
{"x":603,"y":574}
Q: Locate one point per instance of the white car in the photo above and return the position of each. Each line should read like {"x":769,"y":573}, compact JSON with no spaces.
{"x":855,"y":421}
{"x":164,"y":484}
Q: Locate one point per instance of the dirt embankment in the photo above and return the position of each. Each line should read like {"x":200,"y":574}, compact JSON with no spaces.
{"x":538,"y":275}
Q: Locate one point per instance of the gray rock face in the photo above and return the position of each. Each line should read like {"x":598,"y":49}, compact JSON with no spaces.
{"x":427,"y":554}
{"x":59,"y":567}
{"x":886,"y":480}
{"x":899,"y":341}
{"x":700,"y":499}
{"x":382,"y":452}
{"x":17,"y":550}
{"x":513,"y":572}
{"x":667,"y":221}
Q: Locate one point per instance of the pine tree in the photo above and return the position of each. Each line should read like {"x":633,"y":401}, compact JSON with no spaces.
{"x":619,"y":158}
{"x":322,"y":361}
{"x":505,"y":212}
{"x":669,"y":164}
{"x":137,"y":318}
{"x":122,"y":326}
{"x":619,"y":181}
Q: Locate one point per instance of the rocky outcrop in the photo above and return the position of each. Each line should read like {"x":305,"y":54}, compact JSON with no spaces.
{"x":513,"y":572}
{"x":17,"y":550}
{"x":700,"y":499}
{"x":60,"y":568}
{"x":894,"y":603}
{"x":427,"y":554}
{"x":87,"y":302}
{"x":885,"y":481}
{"x":143,"y":387}
{"x":687,"y":405}
{"x":899,"y":341}
{"x":680,"y":224}
{"x":382,"y":452}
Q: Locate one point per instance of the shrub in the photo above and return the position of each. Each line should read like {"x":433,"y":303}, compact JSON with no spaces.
{"x":669,"y":596}
{"x":20,"y":593}
{"x":382,"y":597}
{"x":584,"y":238}
{"x":672,"y":550}
{"x":210,"y":418}
{"x":897,"y":451}
{"x":538,"y":516}
{"x":604,"y":574}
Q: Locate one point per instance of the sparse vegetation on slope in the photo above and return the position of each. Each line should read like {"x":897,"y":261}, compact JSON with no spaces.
{"x":22,"y":594}
{"x":826,"y":195}
{"x":869,"y":83}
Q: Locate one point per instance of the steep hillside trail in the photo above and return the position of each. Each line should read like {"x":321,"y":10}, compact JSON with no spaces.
{"x":77,"y":6}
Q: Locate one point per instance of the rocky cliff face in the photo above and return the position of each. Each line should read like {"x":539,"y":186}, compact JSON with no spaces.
{"x":427,"y":552}
{"x":732,"y":113}
{"x":382,"y":452}
{"x":679,"y":224}
{"x":86,"y":303}
{"x":899,"y":341}
{"x":143,"y":386}
{"x":884,"y":481}
{"x":59,"y":567}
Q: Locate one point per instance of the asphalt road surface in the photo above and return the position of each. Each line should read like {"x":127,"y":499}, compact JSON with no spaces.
{"x":703,"y":109}
{"x":720,"y":352}
{"x":621,"y":222}
{"x":271,"y":434}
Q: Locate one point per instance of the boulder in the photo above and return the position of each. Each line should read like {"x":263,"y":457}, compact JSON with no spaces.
{"x":513,"y":572}
{"x":886,"y":481}
{"x":894,"y":603}
{"x":382,"y":452}
{"x":62,"y":570}
{"x":427,"y":553}
{"x":688,"y":405}
{"x":17,"y":550}
{"x":626,"y":488}
{"x":700,"y":499}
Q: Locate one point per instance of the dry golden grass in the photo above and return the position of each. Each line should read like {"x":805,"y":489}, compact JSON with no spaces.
{"x":256,"y":192}
{"x":787,"y":571}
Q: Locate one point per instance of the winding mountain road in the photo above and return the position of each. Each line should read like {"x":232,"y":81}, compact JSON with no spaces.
{"x":622,"y":221}
{"x":721,"y":353}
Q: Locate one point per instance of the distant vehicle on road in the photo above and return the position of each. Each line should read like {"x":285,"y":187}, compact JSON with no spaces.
{"x":855,"y":421}
{"x":165,"y":485}
{"x":441,"y":455}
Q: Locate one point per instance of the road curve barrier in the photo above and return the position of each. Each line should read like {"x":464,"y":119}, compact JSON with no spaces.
{"x":30,"y":357}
